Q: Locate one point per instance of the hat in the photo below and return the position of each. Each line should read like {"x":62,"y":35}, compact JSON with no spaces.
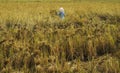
{"x":61,"y":9}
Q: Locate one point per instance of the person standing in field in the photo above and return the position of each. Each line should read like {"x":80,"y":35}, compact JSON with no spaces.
{"x":61,"y":13}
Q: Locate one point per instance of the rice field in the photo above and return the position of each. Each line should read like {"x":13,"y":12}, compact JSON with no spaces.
{"x":33,"y":39}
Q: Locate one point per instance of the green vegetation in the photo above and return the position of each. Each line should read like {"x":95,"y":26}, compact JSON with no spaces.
{"x":59,"y":0}
{"x":33,"y":39}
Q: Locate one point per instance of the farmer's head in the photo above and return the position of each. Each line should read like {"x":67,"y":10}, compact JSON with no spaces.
{"x":61,"y":9}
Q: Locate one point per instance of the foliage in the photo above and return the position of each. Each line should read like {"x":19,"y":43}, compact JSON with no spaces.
{"x":34,"y":39}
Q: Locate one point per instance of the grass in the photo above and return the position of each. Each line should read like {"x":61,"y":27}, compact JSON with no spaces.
{"x":33,"y":39}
